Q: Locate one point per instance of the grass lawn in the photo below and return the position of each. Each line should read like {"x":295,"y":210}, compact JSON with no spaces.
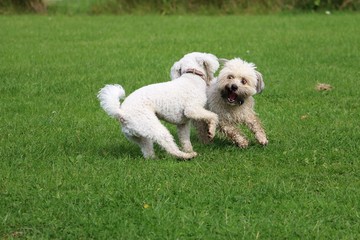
{"x":66,"y":171}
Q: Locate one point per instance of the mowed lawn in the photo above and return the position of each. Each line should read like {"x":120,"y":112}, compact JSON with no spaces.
{"x":67,"y":172}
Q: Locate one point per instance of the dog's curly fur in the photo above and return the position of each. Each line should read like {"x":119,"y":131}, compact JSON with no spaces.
{"x":230,"y":96}
{"x":175,"y":101}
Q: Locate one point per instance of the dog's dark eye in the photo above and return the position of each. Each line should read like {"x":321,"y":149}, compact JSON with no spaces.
{"x":230,"y":77}
{"x":243,"y":81}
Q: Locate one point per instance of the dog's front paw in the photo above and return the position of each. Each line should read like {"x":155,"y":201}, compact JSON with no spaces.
{"x":211,"y":131}
{"x":211,"y":135}
{"x":264,"y":143}
{"x":188,"y":148}
{"x":188,"y":156}
{"x":243,"y":143}
{"x":261,"y":138}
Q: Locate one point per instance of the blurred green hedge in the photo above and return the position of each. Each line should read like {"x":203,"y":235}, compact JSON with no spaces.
{"x":174,"y":6}
{"x":23,"y":6}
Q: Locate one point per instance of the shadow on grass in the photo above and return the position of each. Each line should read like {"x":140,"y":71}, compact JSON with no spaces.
{"x":118,"y":151}
{"x":123,"y":150}
{"x":220,"y":142}
{"x":129,"y":151}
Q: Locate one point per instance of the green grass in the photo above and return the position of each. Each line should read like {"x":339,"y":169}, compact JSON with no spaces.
{"x":66,"y":172}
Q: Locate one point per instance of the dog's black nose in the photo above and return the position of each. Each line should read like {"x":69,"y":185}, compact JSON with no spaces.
{"x":234,"y":87}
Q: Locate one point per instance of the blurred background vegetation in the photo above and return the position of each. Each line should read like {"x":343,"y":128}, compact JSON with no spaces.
{"x":169,"y":7}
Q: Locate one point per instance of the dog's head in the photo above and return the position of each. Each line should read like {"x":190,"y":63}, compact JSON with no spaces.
{"x":202,"y":64}
{"x":239,"y":80}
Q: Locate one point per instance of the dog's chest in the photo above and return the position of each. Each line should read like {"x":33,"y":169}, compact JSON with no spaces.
{"x":233,"y":115}
{"x":230,"y":114}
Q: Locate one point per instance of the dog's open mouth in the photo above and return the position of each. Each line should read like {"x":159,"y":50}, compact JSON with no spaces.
{"x":231,"y":97}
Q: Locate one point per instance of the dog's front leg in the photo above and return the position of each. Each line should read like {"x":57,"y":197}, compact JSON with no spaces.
{"x":254,"y":124}
{"x":235,"y":135}
{"x":201,"y":114}
{"x":202,"y":131}
{"x":184,"y":137}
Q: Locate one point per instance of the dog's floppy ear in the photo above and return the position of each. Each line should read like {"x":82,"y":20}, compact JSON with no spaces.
{"x":222,"y":61}
{"x":211,"y":64}
{"x":260,"y":82}
{"x":175,"y":71}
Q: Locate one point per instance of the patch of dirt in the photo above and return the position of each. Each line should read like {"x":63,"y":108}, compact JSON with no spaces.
{"x":323,"y":87}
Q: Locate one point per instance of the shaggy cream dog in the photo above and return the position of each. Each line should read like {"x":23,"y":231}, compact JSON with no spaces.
{"x":176,"y":101}
{"x":230,"y":96}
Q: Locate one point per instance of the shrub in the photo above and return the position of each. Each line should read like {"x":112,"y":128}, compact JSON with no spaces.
{"x":38,"y":6}
{"x":218,"y":6}
{"x":176,"y":6}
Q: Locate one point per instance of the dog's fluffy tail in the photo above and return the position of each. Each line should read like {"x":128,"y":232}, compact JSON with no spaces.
{"x":109,"y":97}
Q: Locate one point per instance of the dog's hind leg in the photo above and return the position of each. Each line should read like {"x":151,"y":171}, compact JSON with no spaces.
{"x":184,"y":137}
{"x":146,"y":145}
{"x":161,"y":135}
{"x":151,"y":130}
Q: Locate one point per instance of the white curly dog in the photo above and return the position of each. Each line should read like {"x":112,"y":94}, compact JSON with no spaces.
{"x":177,"y":101}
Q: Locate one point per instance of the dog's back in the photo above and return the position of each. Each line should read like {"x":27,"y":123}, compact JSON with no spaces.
{"x":167,"y":100}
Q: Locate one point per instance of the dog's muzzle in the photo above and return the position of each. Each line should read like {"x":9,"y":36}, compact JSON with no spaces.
{"x":229,"y":94}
